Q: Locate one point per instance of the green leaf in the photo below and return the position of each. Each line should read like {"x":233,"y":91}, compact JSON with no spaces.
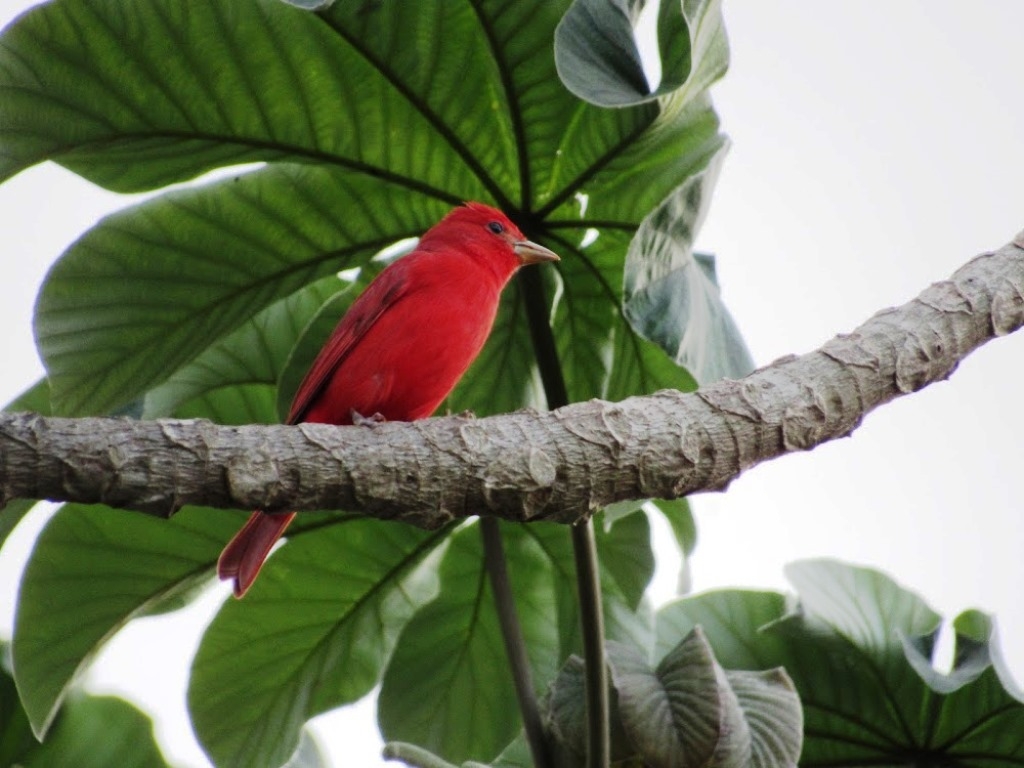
{"x":598,"y":59}
{"x":98,"y":732}
{"x":240,"y":404}
{"x":625,"y":620}
{"x":626,"y":555}
{"x":672,"y":296}
{"x":688,"y":711}
{"x":36,"y":399}
{"x":674,"y":714}
{"x":318,"y":625}
{"x":448,"y":688}
{"x":415,"y":756}
{"x":309,"y":754}
{"x":515,"y":755}
{"x":679,"y":516}
{"x":565,"y":718}
{"x":135,"y":97}
{"x":566,"y":708}
{"x":218,"y":254}
{"x":827,"y":588}
{"x":619,"y":510}
{"x":253,"y":354}
{"x":92,"y":732}
{"x":597,"y":56}
{"x":975,"y":650}
{"x":866,"y":642}
{"x":709,"y":46}
{"x":310,"y":5}
{"x":12,"y":514}
{"x":732,"y":620}
{"x":859,"y":647}
{"x":92,"y":570}
{"x":599,"y":352}
{"x":16,"y":739}
{"x":772,"y":717}
{"x":640,"y":367}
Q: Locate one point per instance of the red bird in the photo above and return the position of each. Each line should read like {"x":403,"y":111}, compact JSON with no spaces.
{"x":402,"y":346}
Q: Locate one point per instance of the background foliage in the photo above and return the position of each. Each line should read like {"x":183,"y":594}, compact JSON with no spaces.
{"x":200,"y":301}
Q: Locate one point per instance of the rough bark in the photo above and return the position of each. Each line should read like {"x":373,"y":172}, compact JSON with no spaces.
{"x":527,"y":465}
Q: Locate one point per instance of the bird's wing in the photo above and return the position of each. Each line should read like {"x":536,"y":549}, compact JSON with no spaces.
{"x":379,"y":296}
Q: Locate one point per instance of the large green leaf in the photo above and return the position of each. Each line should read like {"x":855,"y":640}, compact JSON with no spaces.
{"x":440,"y":674}
{"x":729,"y":617}
{"x":448,"y":687}
{"x":140,"y":94}
{"x":314,"y":633}
{"x":977,"y":716}
{"x":624,"y":548}
{"x":36,"y":399}
{"x":449,"y":666}
{"x":598,"y":58}
{"x":770,"y":713}
{"x":627,"y":619}
{"x":149,"y":288}
{"x":98,"y":732}
{"x":672,"y":295}
{"x":859,"y":649}
{"x":92,"y":570}
{"x":309,"y":753}
{"x":597,"y":55}
{"x":565,"y":718}
{"x":600,"y":354}
{"x":679,"y":516}
{"x":688,"y":711}
{"x":673,"y":714}
{"x":685,"y":711}
{"x":252,"y":354}
{"x":16,"y":739}
{"x":91,"y":732}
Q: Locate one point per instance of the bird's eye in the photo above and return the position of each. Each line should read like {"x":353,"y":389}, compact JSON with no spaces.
{"x":496,"y":227}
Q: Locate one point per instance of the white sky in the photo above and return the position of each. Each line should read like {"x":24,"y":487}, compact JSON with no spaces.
{"x":876,"y":147}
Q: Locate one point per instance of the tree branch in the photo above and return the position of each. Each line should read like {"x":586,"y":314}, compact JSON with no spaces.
{"x":524,"y":466}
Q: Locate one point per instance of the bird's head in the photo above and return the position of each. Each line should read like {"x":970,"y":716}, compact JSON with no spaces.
{"x":489,"y":234}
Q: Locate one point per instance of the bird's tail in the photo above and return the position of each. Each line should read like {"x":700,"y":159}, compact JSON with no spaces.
{"x":243,"y":557}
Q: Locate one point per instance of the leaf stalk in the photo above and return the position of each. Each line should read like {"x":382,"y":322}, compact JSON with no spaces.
{"x":588,"y":586}
{"x":512,"y":635}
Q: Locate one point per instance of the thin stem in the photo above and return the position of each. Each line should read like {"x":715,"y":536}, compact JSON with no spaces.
{"x":515,"y":646}
{"x":588,"y":585}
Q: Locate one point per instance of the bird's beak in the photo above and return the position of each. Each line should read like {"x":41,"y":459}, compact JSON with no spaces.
{"x":531,"y":253}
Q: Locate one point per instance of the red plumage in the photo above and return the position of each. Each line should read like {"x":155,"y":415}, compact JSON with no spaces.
{"x":402,"y":346}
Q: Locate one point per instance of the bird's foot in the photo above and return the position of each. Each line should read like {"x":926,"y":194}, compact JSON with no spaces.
{"x":366,"y":421}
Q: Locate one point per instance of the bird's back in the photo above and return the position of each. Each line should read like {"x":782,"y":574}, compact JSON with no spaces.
{"x":439,"y":310}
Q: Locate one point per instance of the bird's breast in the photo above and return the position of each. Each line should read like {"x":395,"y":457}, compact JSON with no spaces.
{"x":410,"y":359}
